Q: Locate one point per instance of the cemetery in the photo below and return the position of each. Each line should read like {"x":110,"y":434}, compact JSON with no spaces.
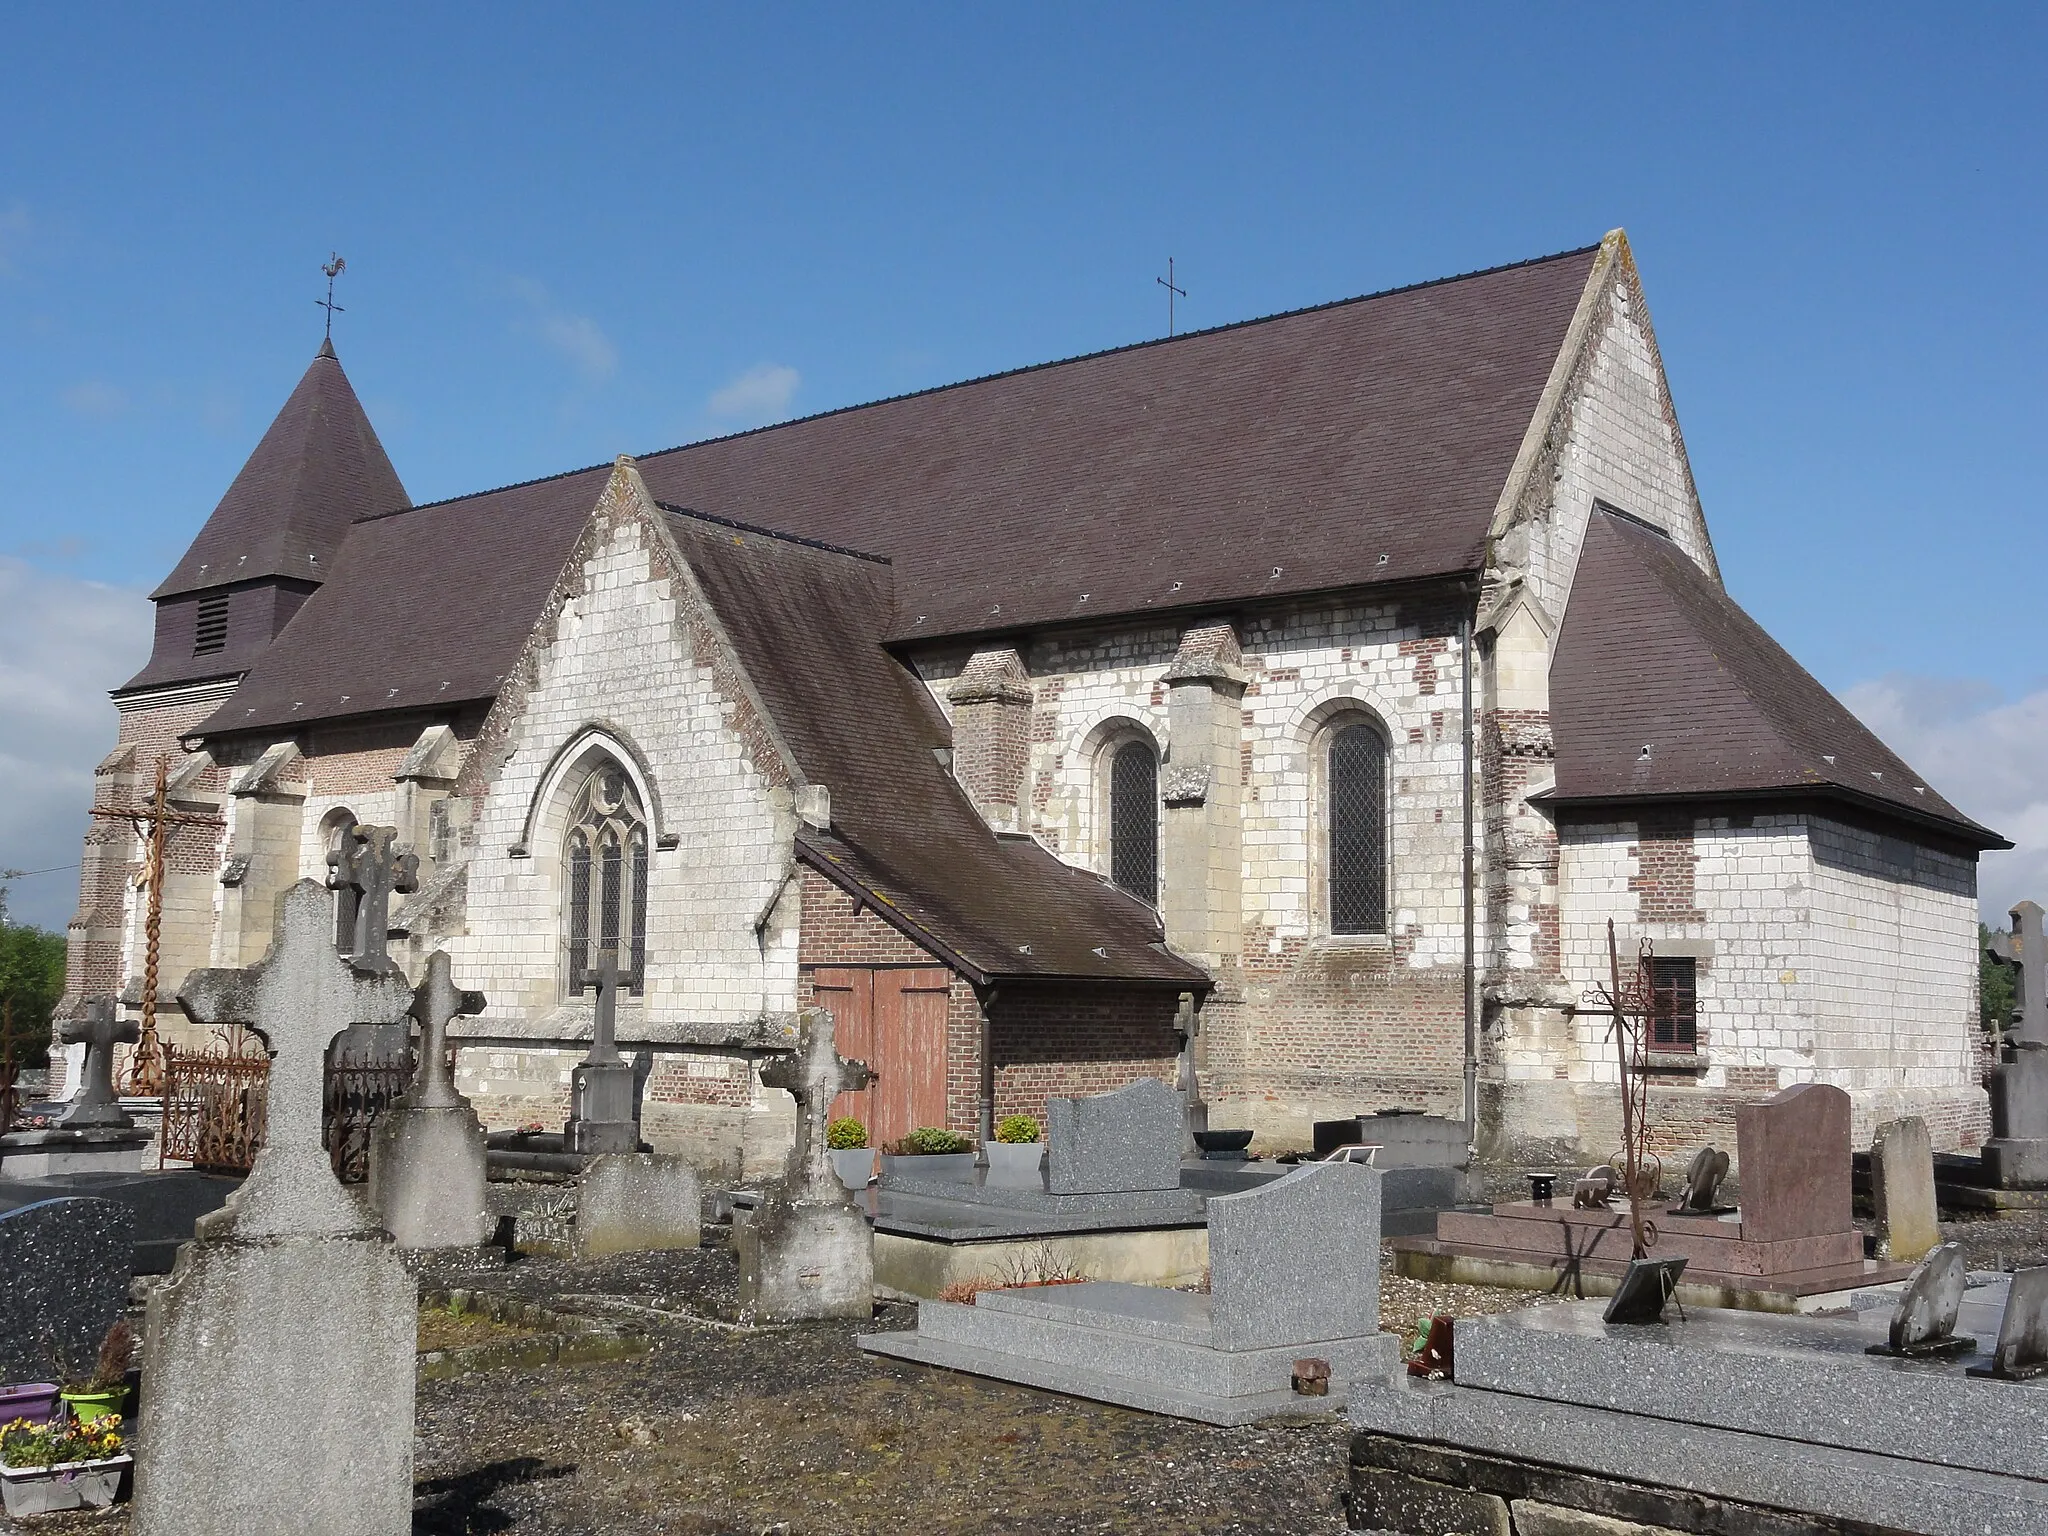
{"x":1111,"y":1324}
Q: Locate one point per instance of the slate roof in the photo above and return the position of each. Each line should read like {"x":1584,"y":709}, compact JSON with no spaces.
{"x":318,"y":469}
{"x":807,"y":624}
{"x":1277,"y":457}
{"x":1661,"y":688}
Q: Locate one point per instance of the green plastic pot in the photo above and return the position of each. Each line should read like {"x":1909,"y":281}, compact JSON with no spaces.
{"x":87,"y":1406}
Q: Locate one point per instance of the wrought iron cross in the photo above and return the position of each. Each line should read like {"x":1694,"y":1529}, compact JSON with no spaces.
{"x":333,"y":266}
{"x":154,"y":824}
{"x":1166,"y":282}
{"x":367,"y":868}
{"x":1630,"y":1003}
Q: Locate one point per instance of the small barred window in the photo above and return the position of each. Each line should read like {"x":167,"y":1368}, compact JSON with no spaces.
{"x":1357,"y":790}
{"x":606,"y":910}
{"x":1674,"y":1003}
{"x":1134,"y":820}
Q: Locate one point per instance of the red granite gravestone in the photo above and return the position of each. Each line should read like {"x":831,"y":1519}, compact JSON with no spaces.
{"x":1794,"y":1155}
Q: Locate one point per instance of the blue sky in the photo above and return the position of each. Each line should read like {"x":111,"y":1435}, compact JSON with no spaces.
{"x":576,"y":232}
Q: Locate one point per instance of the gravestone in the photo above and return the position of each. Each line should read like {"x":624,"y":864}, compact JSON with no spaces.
{"x":98,"y":1029}
{"x":427,"y":1149}
{"x":1703,"y":1184}
{"x":63,"y":1280}
{"x":96,"y":1135}
{"x":1297,"y":1260}
{"x":365,"y":871}
{"x":807,"y":1251}
{"x":1924,"y":1321}
{"x":1113,"y":1143}
{"x":2025,"y":952}
{"x":1794,"y":1152}
{"x":637,"y":1202}
{"x":368,"y":1059}
{"x":2022,"y":1350}
{"x":1902,"y":1190}
{"x":2016,"y":1156}
{"x":280,"y":1353}
{"x":604,"y":1088}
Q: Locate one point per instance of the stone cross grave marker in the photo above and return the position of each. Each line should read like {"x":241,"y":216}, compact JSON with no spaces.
{"x":1902,"y":1190}
{"x":2025,"y":951}
{"x":1794,"y":1152}
{"x":366,"y":870}
{"x":297,"y":998}
{"x":428,"y":1159}
{"x":814,"y":1076}
{"x":436,"y":1003}
{"x":601,"y":1092}
{"x":98,"y":1030}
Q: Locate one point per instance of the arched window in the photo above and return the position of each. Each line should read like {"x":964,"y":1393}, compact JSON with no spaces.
{"x":1134,"y":819}
{"x":1356,"y":813}
{"x":606,"y":856}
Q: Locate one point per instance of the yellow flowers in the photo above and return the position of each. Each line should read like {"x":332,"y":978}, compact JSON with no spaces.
{"x":23,"y":1444}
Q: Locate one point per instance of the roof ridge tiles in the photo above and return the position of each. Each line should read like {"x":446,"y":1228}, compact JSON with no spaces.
{"x":771,"y":533}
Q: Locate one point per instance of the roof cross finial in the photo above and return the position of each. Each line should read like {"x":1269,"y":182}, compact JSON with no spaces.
{"x":333,"y":266}
{"x":1166,"y":282}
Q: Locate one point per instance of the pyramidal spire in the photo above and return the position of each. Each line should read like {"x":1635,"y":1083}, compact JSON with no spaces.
{"x":318,"y":469}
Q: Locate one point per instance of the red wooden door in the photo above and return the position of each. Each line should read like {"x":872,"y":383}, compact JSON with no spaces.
{"x":895,"y":1021}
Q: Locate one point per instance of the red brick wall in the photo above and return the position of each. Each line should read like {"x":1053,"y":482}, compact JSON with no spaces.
{"x":1666,"y":861}
{"x":1065,"y":1041}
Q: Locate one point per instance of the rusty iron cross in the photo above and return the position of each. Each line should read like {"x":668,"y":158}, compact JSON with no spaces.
{"x":1631,"y":1003}
{"x":154,"y":823}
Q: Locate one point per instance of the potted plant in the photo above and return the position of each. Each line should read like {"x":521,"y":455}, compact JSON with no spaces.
{"x":106,"y":1389}
{"x":852,"y":1158}
{"x":31,"y":1400}
{"x":60,"y":1465}
{"x":930,"y":1152}
{"x":1014,"y":1156}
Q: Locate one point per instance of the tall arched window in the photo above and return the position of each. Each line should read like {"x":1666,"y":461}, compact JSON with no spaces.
{"x":1134,"y":819}
{"x":1356,"y":780}
{"x":606,"y":857}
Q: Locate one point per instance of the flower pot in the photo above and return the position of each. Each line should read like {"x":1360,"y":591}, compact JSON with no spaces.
{"x":68,"y":1485}
{"x":87,"y":1406}
{"x":854,"y":1165}
{"x":930,"y":1165}
{"x":1014,"y":1162}
{"x":35,"y":1401}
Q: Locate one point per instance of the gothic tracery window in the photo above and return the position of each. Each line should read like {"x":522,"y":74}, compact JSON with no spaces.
{"x":1134,"y":819}
{"x":1356,"y":789}
{"x":606,"y":855}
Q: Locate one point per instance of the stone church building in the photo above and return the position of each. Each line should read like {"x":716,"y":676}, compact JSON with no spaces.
{"x":1283,"y":710}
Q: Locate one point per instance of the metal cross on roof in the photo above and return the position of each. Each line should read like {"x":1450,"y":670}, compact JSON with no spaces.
{"x":333,"y":266}
{"x":1166,"y":282}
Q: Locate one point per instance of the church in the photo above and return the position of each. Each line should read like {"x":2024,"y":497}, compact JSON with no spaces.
{"x":1283,"y":710}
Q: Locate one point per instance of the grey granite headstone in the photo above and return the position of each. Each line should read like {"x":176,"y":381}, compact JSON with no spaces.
{"x":807,"y":1251}
{"x":427,"y":1149}
{"x":2022,"y":1351}
{"x":1126,"y":1140}
{"x":1902,"y":1190}
{"x":63,"y":1280}
{"x":280,"y":1354}
{"x":1298,"y":1260}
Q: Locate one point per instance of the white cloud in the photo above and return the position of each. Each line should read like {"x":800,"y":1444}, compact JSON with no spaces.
{"x":63,"y":644}
{"x":95,"y":398}
{"x":1985,"y":756}
{"x":760,"y":395}
{"x":578,"y":338}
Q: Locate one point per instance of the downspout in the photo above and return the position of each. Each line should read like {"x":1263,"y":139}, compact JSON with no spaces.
{"x":986,"y":1118}
{"x":1471,"y":926}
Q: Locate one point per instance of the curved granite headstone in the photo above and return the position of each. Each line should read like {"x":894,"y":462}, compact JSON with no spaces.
{"x":1113,"y":1143}
{"x":63,"y":1279}
{"x":1297,"y":1260}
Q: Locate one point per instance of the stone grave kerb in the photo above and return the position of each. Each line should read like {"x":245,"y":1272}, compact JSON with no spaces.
{"x":1115,"y":1143}
{"x":1296,"y":1260}
{"x":1794,"y":1154}
{"x":297,"y":998}
{"x":367,"y":868}
{"x":98,"y":1029}
{"x":436,"y":1002}
{"x":2025,"y":951}
{"x":814,"y":1075}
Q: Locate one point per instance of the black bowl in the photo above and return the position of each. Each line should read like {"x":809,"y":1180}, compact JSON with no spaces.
{"x":1223,"y":1141}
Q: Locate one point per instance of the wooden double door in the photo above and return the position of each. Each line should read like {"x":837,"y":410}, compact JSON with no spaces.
{"x":895,"y":1021}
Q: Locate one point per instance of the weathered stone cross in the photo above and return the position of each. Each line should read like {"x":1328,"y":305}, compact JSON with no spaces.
{"x":814,"y":1076}
{"x":99,"y":1029}
{"x":435,"y":1001}
{"x":298,"y":997}
{"x":604,"y":977}
{"x":2025,"y":950}
{"x":366,"y":869}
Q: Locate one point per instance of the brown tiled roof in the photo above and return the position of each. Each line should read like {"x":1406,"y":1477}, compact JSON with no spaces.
{"x":318,"y":469}
{"x":807,"y":624}
{"x":1662,"y":688}
{"x":1361,"y":442}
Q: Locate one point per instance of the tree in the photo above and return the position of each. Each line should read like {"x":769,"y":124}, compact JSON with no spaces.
{"x":31,"y":981}
{"x":1996,"y":994}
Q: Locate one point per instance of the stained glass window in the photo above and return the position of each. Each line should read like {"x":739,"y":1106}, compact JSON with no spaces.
{"x":1357,"y":787}
{"x":606,"y":910}
{"x":1134,"y":820}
